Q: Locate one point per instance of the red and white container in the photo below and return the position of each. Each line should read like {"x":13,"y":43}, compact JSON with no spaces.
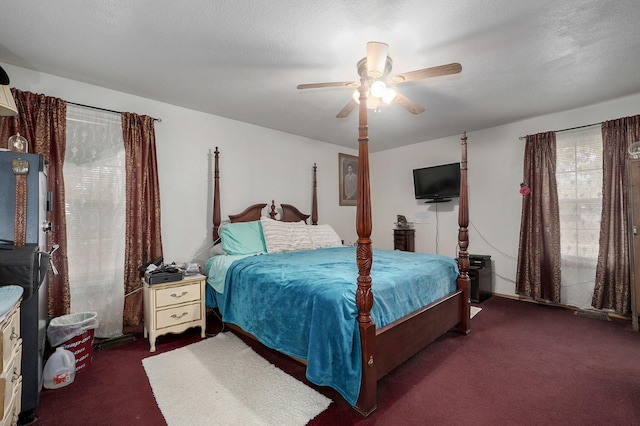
{"x":75,"y":333}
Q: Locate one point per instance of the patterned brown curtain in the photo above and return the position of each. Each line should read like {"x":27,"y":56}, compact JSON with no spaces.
{"x":42,"y":121}
{"x":613,"y":289}
{"x":143,"y":241}
{"x":538,"y":275}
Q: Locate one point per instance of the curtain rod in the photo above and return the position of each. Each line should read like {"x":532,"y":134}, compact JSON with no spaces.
{"x":570,"y":128}
{"x":159,"y":120}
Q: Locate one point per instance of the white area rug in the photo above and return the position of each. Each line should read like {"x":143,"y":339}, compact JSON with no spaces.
{"x":475,"y":310}
{"x":222,"y":381}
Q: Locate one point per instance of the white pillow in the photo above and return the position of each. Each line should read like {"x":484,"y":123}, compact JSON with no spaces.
{"x":285,"y":236}
{"x":323,"y":236}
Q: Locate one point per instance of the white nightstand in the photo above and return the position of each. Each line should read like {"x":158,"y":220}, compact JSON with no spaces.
{"x":174,"y":307}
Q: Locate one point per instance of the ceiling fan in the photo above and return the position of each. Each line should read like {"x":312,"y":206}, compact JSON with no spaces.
{"x":375,"y":68}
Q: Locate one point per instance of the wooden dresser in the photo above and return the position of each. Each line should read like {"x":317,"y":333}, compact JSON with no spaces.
{"x":404,"y":239}
{"x":11,"y":351}
{"x":174,"y":307}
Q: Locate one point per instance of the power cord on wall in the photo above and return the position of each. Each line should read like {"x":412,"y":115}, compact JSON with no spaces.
{"x":457,"y":250}
{"x":207,"y":247}
{"x":491,"y":245}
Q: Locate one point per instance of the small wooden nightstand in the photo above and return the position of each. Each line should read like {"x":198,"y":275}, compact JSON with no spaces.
{"x":403,"y":239}
{"x":174,"y":307}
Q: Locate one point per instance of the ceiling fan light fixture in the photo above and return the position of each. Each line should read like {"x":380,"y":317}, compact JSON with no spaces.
{"x":373,"y":103}
{"x":376,"y":67}
{"x":378,"y":88}
{"x":389,"y":95}
{"x":376,"y":58}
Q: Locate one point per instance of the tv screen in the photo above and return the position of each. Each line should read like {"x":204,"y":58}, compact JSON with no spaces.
{"x":437,"y":182}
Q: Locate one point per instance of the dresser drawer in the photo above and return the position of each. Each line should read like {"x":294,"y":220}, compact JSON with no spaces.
{"x":178,"y":315}
{"x":9,"y":337}
{"x":10,"y":416}
{"x":178,"y":294}
{"x":10,"y":379}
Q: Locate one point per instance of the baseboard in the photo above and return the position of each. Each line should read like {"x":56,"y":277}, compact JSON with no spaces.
{"x":560,"y":305}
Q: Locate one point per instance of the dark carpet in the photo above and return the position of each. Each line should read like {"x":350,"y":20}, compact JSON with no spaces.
{"x":523,"y":363}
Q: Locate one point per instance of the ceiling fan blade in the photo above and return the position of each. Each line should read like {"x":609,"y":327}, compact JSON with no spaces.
{"x":408,"y":104}
{"x":447,"y":69}
{"x":350,"y":106}
{"x":333,"y":84}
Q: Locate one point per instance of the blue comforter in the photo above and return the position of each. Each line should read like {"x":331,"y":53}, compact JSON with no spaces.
{"x":303,"y":303}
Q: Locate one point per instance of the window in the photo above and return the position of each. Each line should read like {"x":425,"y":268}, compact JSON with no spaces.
{"x":94,"y":174}
{"x":579,"y":180}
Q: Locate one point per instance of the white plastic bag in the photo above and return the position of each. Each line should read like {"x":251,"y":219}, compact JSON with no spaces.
{"x":69,"y":326}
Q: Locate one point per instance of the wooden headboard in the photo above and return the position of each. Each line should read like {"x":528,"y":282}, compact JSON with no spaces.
{"x":289,"y":213}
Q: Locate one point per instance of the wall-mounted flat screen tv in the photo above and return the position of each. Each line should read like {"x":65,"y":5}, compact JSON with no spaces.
{"x":437,"y":183}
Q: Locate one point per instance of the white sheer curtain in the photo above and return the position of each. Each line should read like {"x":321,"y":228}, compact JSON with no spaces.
{"x":579,"y":180}
{"x":94,"y":173}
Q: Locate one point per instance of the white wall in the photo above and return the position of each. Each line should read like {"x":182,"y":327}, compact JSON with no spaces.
{"x":257,"y":164}
{"x":495,"y":163}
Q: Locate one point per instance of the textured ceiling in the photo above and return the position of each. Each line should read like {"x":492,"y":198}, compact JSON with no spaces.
{"x":244,"y":59}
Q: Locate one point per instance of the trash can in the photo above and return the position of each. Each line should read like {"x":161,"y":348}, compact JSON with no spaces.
{"x":74,"y":332}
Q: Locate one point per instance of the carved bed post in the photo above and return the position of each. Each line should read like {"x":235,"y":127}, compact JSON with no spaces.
{"x":464,"y":282}
{"x":314,"y":205}
{"x":216,"y":196}
{"x":364,"y":256}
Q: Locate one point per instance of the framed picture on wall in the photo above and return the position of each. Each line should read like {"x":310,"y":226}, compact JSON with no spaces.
{"x":348,"y":178}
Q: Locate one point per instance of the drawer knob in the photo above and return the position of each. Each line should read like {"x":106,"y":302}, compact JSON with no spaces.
{"x":174,"y":316}
{"x":178,"y":296}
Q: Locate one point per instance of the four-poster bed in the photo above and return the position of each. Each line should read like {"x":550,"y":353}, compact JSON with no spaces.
{"x":380,"y":347}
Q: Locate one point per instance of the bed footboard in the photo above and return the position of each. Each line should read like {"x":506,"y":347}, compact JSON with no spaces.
{"x":400,"y":340}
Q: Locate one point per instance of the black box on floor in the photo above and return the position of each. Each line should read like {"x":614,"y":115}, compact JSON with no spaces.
{"x":480,"y":260}
{"x":162,"y":277}
{"x":481,"y":275}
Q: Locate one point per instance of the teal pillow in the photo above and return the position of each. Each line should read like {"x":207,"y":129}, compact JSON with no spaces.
{"x":243,"y":238}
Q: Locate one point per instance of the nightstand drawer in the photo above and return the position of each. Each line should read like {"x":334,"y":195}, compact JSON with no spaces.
{"x":178,"y":315}
{"x":179,"y":294}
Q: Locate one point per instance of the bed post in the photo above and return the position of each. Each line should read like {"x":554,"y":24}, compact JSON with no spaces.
{"x":216,"y":197}
{"x":366,"y":403}
{"x":464,"y":282}
{"x":314,"y":203}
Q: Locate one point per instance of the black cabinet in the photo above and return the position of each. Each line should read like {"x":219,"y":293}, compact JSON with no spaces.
{"x":27,"y":266}
{"x":481,"y":275}
{"x":404,"y":239}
